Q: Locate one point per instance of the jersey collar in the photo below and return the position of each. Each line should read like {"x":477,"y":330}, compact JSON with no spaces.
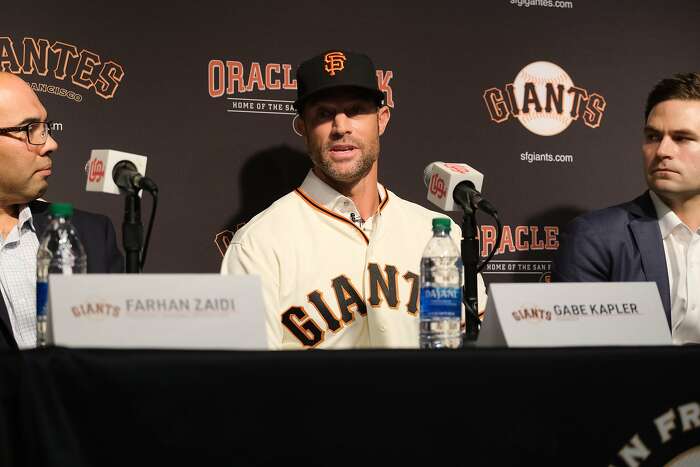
{"x":330,"y":199}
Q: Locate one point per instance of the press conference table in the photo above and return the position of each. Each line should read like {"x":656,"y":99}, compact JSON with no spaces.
{"x":565,"y":406}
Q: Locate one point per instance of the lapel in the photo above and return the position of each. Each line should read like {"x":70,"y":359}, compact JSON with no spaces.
{"x":646,"y":232}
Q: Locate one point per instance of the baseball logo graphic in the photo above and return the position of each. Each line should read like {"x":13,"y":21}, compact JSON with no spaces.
{"x":545,"y":100}
{"x":335,"y":61}
{"x":541,"y":90}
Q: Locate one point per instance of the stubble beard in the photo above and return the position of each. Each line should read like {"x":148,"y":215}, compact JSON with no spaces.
{"x":357,"y":171}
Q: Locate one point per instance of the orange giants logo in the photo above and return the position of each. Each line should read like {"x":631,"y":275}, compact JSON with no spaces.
{"x":532,"y":314}
{"x":95,"y":310}
{"x":545,"y":100}
{"x":334,"y":61}
{"x":63,"y":62}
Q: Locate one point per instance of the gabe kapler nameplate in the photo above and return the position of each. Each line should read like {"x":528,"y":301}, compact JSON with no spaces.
{"x":574,"y":314}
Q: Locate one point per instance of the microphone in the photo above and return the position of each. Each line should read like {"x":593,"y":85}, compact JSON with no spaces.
{"x":116,"y":172}
{"x":357,"y":219}
{"x":126,"y":172}
{"x":127,"y":177}
{"x":448,"y":182}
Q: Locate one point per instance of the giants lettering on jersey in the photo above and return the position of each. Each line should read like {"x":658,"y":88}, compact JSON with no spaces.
{"x":383,"y":287}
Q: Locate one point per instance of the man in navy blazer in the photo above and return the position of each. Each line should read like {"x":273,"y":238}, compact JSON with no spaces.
{"x":25,"y":165}
{"x":617,"y":244}
{"x":655,"y":237}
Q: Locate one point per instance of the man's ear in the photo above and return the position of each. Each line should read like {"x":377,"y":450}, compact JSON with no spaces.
{"x":383,"y":116}
{"x":299,"y":125}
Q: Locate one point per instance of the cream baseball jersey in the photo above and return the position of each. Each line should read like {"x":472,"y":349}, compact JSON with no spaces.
{"x":329,"y":282}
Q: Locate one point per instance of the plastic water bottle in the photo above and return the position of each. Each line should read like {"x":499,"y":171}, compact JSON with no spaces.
{"x":441,"y":290}
{"x":60,"y":252}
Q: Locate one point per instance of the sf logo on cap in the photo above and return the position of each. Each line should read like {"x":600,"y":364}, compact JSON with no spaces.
{"x":335,"y":61}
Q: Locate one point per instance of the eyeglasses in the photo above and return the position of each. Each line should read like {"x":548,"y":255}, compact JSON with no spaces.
{"x":37,"y":132}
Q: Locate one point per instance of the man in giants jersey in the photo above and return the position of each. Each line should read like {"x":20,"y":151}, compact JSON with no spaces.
{"x":339,"y":257}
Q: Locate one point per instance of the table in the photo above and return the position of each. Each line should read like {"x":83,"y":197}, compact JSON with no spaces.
{"x":500,"y":407}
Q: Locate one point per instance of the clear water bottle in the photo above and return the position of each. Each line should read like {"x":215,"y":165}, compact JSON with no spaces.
{"x":441,"y":290}
{"x":60,"y":252}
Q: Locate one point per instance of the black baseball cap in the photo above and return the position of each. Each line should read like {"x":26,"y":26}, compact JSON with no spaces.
{"x":333,"y":69}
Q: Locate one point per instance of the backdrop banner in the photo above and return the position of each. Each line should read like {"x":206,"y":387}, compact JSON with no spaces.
{"x":544,"y":97}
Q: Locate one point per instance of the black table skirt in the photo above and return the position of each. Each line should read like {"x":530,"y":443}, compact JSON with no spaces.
{"x":534,"y":407}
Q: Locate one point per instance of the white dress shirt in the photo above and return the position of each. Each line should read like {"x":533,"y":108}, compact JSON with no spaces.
{"x":682,"y":250}
{"x":18,"y":278}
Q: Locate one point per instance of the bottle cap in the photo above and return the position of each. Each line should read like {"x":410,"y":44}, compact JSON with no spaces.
{"x":442,"y":223}
{"x":61,"y":209}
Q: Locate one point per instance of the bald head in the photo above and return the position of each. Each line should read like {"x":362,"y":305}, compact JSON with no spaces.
{"x":15,"y":93}
{"x":6,"y":77}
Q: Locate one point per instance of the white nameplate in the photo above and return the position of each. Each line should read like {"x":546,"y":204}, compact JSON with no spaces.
{"x":160,"y":311}
{"x":574,"y":314}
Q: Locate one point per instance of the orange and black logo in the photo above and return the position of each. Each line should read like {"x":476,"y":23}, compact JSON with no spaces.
{"x":532,"y":314}
{"x":545,"y":100}
{"x":63,"y":62}
{"x":518,"y":239}
{"x":95,"y":310}
{"x":265,"y":88}
{"x":334,"y":62}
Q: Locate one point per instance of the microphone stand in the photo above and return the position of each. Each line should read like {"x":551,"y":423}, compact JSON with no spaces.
{"x":470,"y":260}
{"x":132,"y":231}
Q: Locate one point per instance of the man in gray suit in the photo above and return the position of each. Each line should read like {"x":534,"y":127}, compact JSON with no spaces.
{"x":655,"y":237}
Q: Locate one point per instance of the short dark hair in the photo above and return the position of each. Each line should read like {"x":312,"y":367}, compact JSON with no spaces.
{"x":683,"y":86}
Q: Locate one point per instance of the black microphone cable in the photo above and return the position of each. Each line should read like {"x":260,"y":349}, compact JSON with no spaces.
{"x":152,"y":189}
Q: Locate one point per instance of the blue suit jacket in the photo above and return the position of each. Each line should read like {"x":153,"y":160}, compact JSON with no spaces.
{"x":617,"y":244}
{"x":97,"y":235}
